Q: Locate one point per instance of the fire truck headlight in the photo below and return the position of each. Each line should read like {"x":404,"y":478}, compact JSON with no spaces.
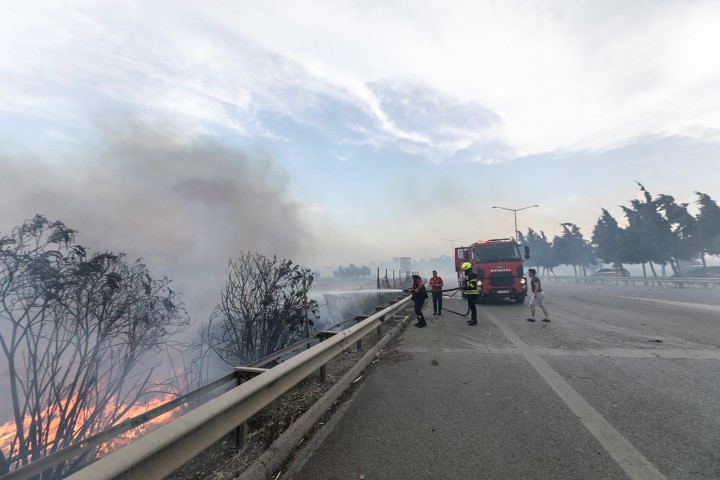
{"x":523,"y":281}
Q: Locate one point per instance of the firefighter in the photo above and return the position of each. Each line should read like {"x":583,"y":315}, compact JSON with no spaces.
{"x":471,"y":291}
{"x":419,"y":295}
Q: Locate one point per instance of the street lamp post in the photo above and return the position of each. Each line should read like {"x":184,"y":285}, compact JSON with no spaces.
{"x":452,"y":242}
{"x":515,"y":210}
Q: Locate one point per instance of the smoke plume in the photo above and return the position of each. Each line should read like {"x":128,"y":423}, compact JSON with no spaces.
{"x":184,"y":206}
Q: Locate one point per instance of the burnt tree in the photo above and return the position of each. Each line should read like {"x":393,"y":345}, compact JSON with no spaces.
{"x":263,"y":308}
{"x":76,"y":330}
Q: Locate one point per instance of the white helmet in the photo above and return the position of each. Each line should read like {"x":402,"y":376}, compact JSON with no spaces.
{"x":415,"y":273}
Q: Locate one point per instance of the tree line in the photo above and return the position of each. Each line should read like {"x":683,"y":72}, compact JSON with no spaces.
{"x":658,"y":232}
{"x":352,"y":271}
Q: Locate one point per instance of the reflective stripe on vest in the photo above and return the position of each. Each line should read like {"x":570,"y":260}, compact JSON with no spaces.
{"x":471,"y":288}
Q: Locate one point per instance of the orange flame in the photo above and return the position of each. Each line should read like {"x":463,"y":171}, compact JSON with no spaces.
{"x":127,"y":437}
{"x":7,"y":429}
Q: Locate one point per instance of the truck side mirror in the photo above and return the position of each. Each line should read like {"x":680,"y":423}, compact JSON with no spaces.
{"x":527,"y":252}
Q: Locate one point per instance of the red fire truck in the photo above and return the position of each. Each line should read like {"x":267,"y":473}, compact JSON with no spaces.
{"x":499,"y":267}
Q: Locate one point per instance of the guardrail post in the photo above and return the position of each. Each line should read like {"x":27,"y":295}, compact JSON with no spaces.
{"x":358,"y":319}
{"x":243,"y":374}
{"x":241,"y":430}
{"x":324,"y":335}
{"x":382,"y":319}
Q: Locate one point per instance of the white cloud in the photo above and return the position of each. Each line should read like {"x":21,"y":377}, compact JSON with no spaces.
{"x":558,"y":75}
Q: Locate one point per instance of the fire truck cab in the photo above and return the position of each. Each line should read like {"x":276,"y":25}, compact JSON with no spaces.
{"x":498,"y":264}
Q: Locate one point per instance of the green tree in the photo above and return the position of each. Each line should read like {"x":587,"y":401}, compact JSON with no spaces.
{"x":607,"y":239}
{"x":685,"y":244}
{"x":631,"y":247}
{"x":650,"y":233}
{"x":708,"y":226}
{"x":571,"y":248}
{"x":263,"y":308}
{"x":352,"y":271}
{"x":542,"y":254}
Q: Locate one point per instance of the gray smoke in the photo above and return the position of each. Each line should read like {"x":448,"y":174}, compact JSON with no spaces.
{"x":184,"y":207}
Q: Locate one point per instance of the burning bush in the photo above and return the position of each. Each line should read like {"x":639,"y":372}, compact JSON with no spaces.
{"x":74,"y":329}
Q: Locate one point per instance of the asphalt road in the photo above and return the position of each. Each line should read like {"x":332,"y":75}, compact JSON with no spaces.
{"x":623,"y":383}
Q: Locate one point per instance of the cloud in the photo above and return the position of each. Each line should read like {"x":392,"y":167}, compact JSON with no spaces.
{"x":558,"y":76}
{"x":436,"y":79}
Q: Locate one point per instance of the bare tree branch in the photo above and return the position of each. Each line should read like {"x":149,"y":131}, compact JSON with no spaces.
{"x":263,"y":308}
{"x":76,"y":331}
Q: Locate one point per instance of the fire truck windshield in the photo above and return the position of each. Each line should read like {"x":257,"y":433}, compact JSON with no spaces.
{"x":497,"y":253}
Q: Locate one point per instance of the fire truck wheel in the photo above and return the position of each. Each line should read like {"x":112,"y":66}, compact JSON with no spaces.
{"x":520,"y":299}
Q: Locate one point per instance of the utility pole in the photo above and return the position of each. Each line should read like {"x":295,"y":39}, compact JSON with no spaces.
{"x":452,"y":242}
{"x":515,"y":210}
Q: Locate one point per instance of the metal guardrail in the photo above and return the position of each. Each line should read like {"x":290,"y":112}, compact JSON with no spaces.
{"x":86,"y":445}
{"x":166,"y":449}
{"x":670,"y":281}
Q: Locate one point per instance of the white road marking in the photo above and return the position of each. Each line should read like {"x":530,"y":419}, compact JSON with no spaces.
{"x":635,"y":465}
{"x":654,"y":353}
{"x":668,"y":353}
{"x":701,"y":306}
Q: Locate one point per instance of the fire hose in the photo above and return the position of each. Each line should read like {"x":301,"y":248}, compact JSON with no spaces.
{"x":457,"y":289}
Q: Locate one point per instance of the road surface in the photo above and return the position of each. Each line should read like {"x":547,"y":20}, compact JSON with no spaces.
{"x":623,"y":383}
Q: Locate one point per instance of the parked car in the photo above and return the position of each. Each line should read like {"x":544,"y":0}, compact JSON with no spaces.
{"x":698,"y":271}
{"x":611,"y":272}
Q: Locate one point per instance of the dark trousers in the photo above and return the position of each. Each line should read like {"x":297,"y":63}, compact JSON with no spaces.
{"x":437,"y":302}
{"x":419,"y":302}
{"x":471,"y":305}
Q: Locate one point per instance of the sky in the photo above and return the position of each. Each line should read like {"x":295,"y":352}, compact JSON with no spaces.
{"x":332,"y":132}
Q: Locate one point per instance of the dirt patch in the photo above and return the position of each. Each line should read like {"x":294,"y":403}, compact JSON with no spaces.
{"x":224,"y":461}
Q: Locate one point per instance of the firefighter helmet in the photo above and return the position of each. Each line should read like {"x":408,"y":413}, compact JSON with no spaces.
{"x":415,"y":273}
{"x":466,"y":266}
